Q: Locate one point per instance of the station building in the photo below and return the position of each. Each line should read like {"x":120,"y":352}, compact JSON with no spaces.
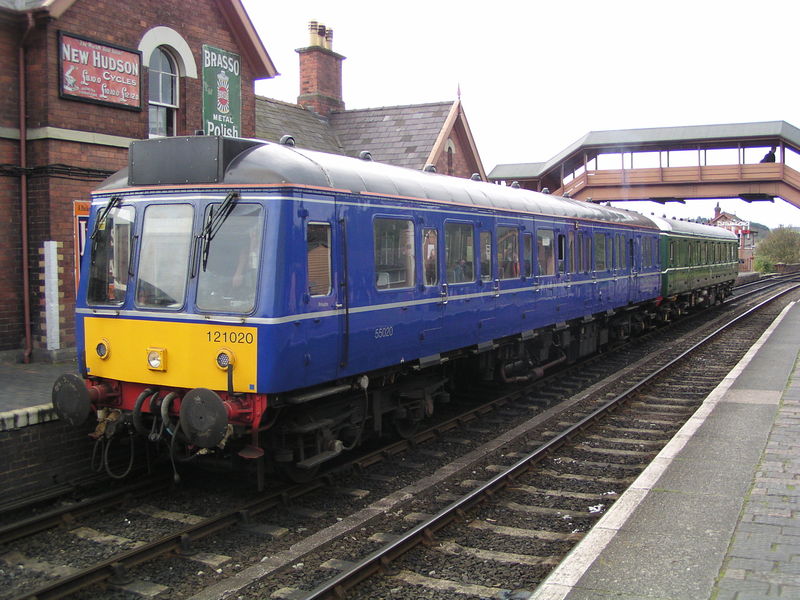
{"x":81,"y":80}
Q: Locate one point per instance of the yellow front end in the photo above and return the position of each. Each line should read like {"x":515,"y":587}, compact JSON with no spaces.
{"x":172,"y":354}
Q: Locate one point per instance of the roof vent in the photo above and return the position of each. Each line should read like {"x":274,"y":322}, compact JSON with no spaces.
{"x":476,"y":177}
{"x":515,"y":184}
{"x":287,"y":140}
{"x":365,"y":155}
{"x":429,"y":168}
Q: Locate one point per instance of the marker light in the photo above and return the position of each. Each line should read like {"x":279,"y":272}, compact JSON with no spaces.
{"x":102,"y":349}
{"x":224,"y":359}
{"x":156,"y":359}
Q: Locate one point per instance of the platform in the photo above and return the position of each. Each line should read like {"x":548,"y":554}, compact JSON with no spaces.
{"x":717,"y":513}
{"x":26,"y":389}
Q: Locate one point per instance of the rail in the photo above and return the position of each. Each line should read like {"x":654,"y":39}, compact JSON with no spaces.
{"x":381,"y":558}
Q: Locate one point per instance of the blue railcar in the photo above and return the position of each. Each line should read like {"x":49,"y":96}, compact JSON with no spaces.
{"x":246,"y":296}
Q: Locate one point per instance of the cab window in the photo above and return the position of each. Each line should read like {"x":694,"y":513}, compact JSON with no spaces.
{"x":164,"y":257}
{"x":230,"y":263}
{"x":110,"y":256}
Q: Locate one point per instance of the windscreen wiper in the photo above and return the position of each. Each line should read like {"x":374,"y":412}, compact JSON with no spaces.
{"x":215,"y":221}
{"x":103,"y":214}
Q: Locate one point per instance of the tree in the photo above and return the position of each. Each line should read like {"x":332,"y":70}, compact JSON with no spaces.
{"x":780,"y":246}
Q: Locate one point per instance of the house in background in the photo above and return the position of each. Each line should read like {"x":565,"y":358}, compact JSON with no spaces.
{"x":412,"y":136}
{"x":749,"y":233}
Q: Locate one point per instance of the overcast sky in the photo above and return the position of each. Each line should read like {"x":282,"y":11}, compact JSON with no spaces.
{"x":536,"y":76}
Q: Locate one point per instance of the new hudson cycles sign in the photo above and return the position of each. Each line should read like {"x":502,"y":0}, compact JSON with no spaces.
{"x":222,"y":92}
{"x":98,"y":72}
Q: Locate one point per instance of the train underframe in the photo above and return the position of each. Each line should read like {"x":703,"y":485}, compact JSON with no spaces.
{"x":295,"y":434}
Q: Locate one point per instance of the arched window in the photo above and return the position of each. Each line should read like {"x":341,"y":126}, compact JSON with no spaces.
{"x":450,"y":149}
{"x":163,"y":93}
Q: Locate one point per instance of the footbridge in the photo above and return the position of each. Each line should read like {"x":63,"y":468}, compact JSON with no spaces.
{"x":751,"y":161}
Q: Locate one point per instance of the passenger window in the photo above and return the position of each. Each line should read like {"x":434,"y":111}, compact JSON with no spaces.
{"x":486,"y":255}
{"x":394,"y":253}
{"x":587,"y":253}
{"x":621,"y":259}
{"x":600,"y":252}
{"x":545,"y":248}
{"x":430,"y":254}
{"x":571,"y":251}
{"x":527,"y":241}
{"x":459,"y":252}
{"x":318,"y":258}
{"x":631,"y":254}
{"x":508,"y":252}
{"x":644,"y":251}
{"x":562,"y":253}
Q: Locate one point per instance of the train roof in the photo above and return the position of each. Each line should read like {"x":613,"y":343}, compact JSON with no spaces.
{"x":197,"y":160}
{"x":692,"y":228}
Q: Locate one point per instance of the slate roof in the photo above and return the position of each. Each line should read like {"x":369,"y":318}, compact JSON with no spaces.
{"x":274,"y":119}
{"x":397,"y":135}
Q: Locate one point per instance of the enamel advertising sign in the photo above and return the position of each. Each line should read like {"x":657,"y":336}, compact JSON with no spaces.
{"x":98,"y":72}
{"x":222,"y":92}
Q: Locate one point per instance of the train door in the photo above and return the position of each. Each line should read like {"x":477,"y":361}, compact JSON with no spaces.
{"x":434,"y":287}
{"x":545,"y":279}
{"x":621,"y":274}
{"x":326,"y":288}
{"x":490,"y":284}
{"x":634,"y":266}
{"x":459,"y":287}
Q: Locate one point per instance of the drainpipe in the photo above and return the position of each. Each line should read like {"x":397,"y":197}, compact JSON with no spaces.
{"x":23,"y":163}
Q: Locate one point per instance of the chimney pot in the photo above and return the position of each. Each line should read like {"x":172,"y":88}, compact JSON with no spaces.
{"x":313,"y":36}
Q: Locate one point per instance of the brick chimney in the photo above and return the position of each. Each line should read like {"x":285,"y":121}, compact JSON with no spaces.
{"x":320,"y":72}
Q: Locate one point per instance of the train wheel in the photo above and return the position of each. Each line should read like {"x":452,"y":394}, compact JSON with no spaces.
{"x":297,"y":475}
{"x":405,"y":427}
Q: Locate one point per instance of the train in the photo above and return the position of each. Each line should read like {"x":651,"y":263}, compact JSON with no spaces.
{"x":274,"y":307}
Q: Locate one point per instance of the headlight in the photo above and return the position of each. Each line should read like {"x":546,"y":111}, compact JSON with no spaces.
{"x":102,"y":349}
{"x":157,"y":359}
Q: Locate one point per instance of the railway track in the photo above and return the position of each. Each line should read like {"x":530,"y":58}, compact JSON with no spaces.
{"x":546,"y":501}
{"x":362,"y":491}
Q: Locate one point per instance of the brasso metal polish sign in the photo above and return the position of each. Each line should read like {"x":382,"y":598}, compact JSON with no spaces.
{"x":93,"y":71}
{"x":222,"y":92}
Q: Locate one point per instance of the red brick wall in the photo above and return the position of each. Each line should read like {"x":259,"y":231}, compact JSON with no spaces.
{"x":320,"y":80}
{"x":463,"y":161}
{"x":124,"y":24}
{"x":51,"y":198}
